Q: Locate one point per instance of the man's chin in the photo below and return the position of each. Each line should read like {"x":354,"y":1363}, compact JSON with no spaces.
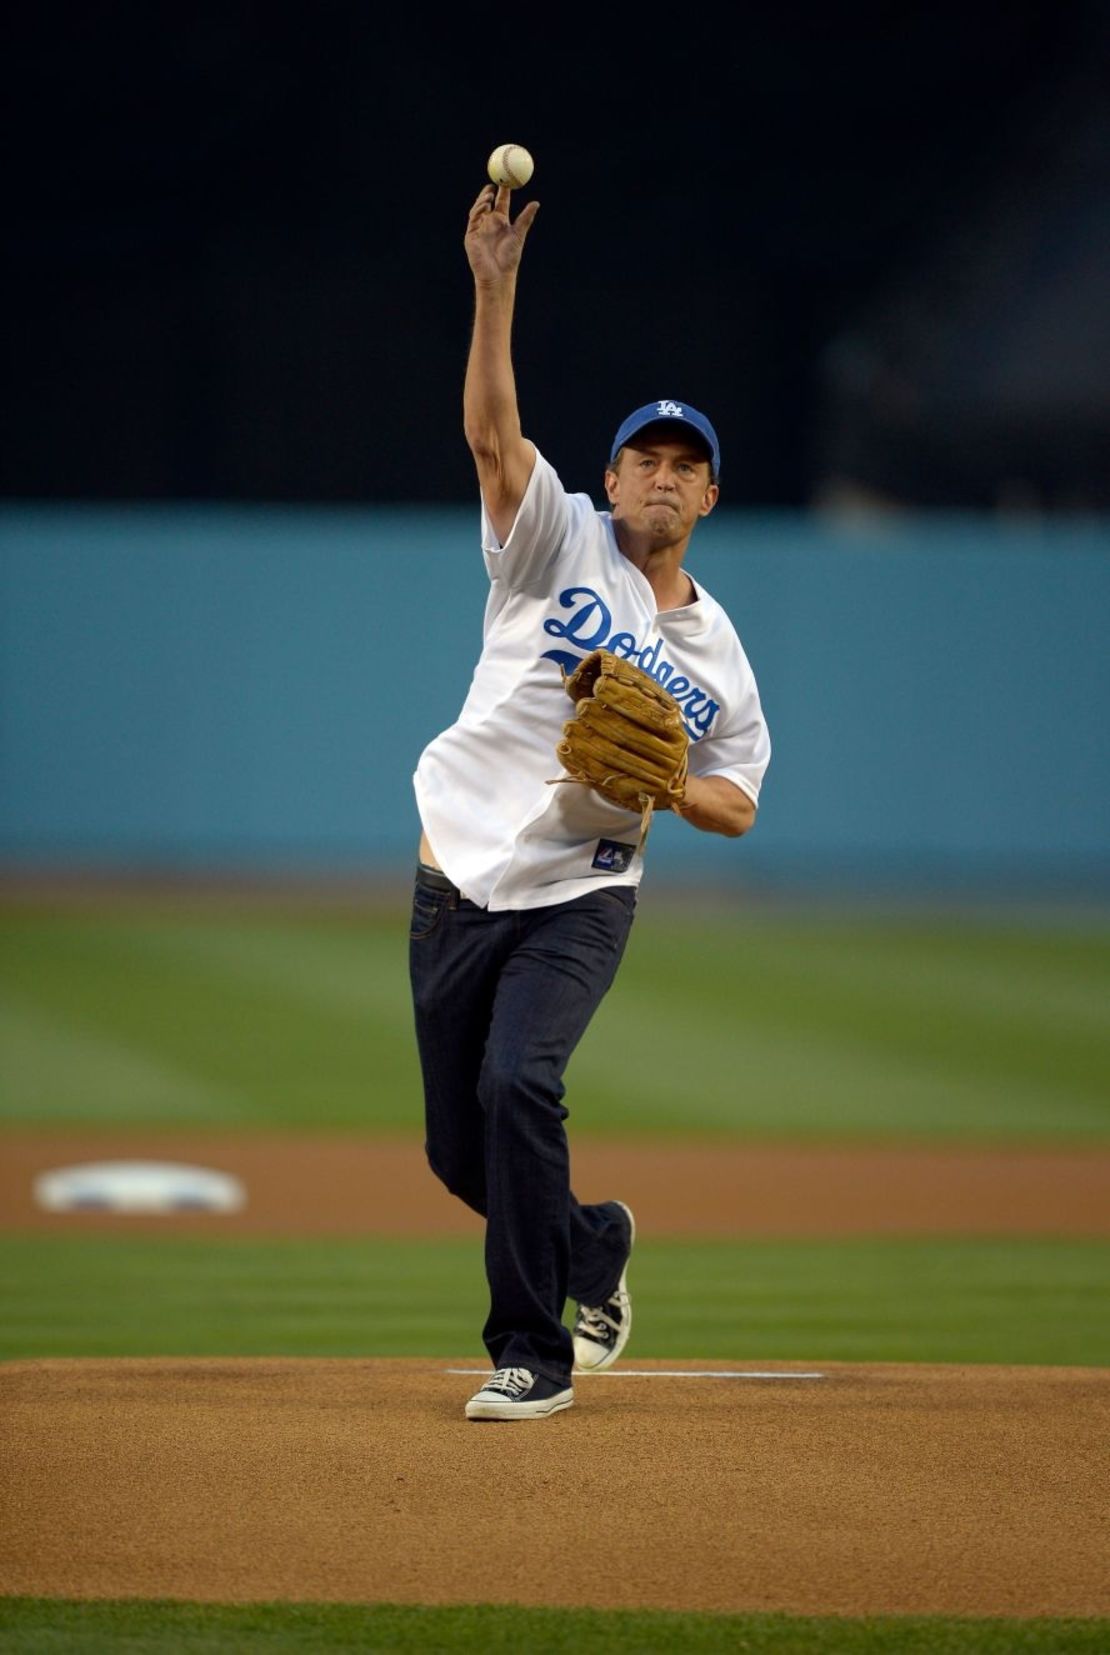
{"x":662,"y":523}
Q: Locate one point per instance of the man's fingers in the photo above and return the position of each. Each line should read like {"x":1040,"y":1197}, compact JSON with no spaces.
{"x":483,"y":204}
{"x":525,"y":217}
{"x":523,"y":221}
{"x":490,"y":201}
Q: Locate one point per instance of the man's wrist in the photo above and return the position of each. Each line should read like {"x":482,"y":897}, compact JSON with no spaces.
{"x":497,"y":287}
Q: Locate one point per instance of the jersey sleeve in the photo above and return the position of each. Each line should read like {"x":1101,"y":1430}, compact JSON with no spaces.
{"x":540,"y":530}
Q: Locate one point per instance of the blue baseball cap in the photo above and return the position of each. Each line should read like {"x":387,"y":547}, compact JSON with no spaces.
{"x":669,"y":413}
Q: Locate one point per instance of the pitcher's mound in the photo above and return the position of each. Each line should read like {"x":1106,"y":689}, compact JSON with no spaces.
{"x":880,"y":1489}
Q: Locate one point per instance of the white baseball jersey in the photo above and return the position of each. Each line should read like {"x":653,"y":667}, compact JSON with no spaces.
{"x":500,"y":824}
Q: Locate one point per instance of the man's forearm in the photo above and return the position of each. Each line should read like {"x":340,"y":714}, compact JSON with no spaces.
{"x":716,"y":806}
{"x":491,"y":417}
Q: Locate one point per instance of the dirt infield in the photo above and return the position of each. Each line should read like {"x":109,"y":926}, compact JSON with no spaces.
{"x":894,"y":1489}
{"x":332,"y":1185}
{"x":871,"y":1489}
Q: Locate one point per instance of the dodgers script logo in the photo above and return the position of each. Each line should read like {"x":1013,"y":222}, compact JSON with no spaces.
{"x":590,"y":626}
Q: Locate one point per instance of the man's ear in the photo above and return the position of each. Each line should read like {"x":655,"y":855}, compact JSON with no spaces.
{"x":709,"y":500}
{"x":612,"y":486}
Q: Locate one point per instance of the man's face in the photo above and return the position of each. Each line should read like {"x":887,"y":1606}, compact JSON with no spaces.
{"x":661,"y":485}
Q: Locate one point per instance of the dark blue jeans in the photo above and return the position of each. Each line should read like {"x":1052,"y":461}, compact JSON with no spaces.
{"x":500,"y":1002}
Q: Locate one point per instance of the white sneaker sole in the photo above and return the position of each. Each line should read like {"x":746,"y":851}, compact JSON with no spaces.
{"x":488,"y":1406}
{"x":594,"y":1358}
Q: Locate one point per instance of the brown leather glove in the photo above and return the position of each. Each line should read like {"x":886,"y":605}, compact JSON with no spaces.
{"x":626,"y":739}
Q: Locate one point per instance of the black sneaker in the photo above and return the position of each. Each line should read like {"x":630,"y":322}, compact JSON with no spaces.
{"x":601,"y":1331}
{"x":518,"y":1393}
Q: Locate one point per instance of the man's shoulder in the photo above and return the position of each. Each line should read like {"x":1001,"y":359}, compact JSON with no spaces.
{"x":584,"y":525}
{"x":551,"y":526}
{"x":712,"y":609}
{"x":719,"y":631}
{"x":545,"y":476}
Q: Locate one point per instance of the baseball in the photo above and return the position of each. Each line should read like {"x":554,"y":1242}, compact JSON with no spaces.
{"x":510,"y":164}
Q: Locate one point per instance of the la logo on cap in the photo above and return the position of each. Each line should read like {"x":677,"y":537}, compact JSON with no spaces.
{"x":660,"y":413}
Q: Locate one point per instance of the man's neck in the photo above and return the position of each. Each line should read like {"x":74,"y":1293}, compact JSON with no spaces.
{"x":662,"y":568}
{"x":672,"y":586}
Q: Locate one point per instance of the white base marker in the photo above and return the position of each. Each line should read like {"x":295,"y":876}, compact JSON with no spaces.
{"x":138,"y":1187}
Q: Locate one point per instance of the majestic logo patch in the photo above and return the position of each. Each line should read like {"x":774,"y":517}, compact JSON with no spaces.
{"x":613,"y":857}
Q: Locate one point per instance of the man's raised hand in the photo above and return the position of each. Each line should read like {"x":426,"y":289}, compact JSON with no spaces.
{"x":493,"y":241}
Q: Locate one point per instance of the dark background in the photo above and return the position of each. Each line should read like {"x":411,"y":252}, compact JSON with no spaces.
{"x":874,"y":247}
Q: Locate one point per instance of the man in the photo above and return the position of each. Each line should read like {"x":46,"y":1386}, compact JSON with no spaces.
{"x":525,"y":892}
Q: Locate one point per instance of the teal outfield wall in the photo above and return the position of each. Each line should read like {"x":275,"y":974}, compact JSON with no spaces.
{"x":208,"y":688}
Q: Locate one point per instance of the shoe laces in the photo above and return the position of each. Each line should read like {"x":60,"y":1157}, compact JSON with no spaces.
{"x":594,"y":1319}
{"x":513,"y":1381}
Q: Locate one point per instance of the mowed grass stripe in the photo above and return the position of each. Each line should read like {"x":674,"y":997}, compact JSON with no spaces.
{"x":42,"y":1626}
{"x":904,"y":1300}
{"x":887,"y":1029}
{"x":775,"y":1078}
{"x":820,"y":1028}
{"x":357,"y":968}
{"x":299,"y":1023}
{"x":61,"y":1071}
{"x":953,"y":1002}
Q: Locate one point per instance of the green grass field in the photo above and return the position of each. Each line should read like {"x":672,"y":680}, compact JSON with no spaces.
{"x":913,"y":1300}
{"x":37,"y":1627}
{"x":794,"y":1025}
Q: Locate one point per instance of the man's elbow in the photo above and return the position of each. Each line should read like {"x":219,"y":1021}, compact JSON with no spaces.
{"x":717,"y":805}
{"x":743,"y":818}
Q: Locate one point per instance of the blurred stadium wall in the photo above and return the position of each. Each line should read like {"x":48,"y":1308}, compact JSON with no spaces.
{"x":245,"y":690}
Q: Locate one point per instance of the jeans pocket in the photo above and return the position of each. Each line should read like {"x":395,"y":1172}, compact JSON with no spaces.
{"x":428,"y":908}
{"x":616,"y":906}
{"x":624,"y":895}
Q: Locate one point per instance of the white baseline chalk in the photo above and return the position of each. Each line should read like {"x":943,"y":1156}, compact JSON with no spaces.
{"x":664,"y":1373}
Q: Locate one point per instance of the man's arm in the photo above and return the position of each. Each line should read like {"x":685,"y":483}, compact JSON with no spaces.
{"x":491,"y":420}
{"x":716,"y":805}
